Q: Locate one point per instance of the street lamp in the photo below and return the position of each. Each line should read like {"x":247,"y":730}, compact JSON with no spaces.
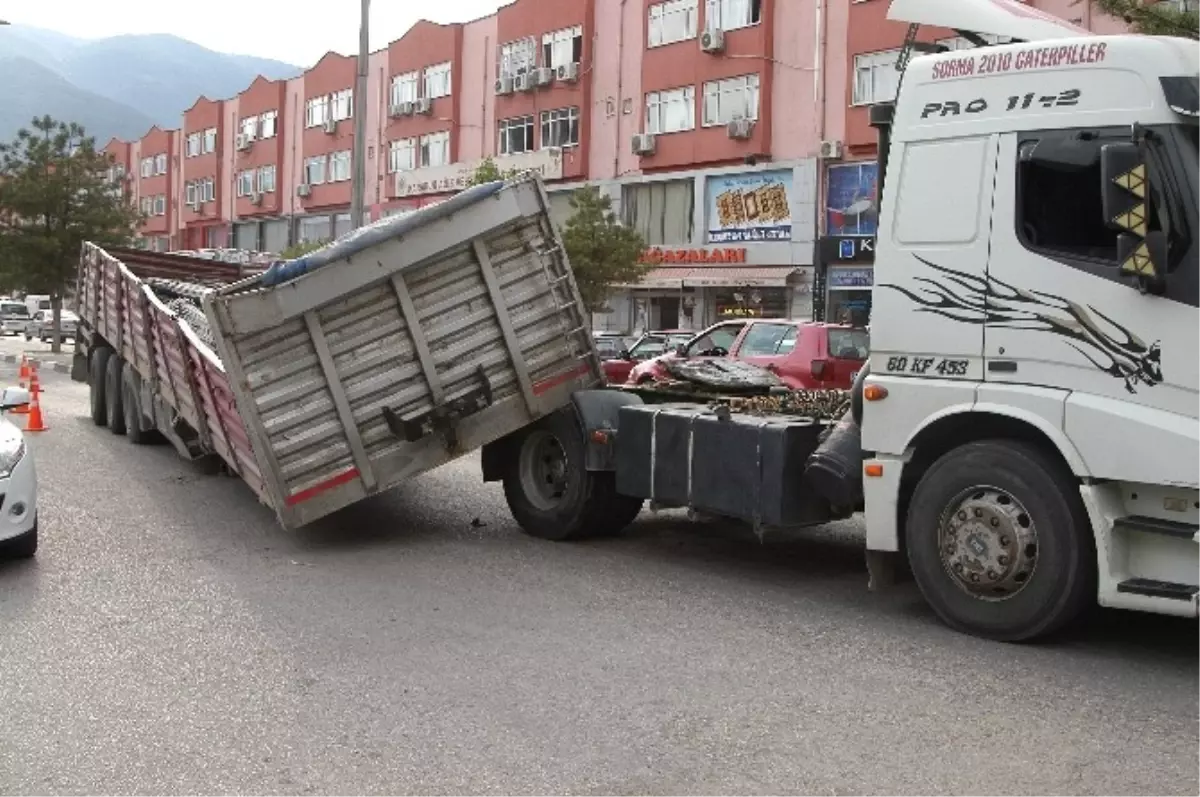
{"x":359,"y":156}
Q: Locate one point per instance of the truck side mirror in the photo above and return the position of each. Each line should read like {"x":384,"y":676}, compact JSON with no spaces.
{"x":1128,"y":207}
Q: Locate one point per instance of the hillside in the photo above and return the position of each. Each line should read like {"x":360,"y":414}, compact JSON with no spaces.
{"x":156,"y":77}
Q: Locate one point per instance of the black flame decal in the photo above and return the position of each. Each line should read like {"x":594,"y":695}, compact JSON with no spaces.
{"x":1105,"y":343}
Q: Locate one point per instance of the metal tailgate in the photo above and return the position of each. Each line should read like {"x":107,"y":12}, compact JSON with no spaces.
{"x":406,"y":353}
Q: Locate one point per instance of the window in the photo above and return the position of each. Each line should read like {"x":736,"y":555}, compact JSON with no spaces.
{"x":671,"y":111}
{"x":268,"y":120}
{"x":189,"y":193}
{"x":959,"y":43}
{"x":848,"y":344}
{"x":516,"y":135}
{"x":435,"y":149}
{"x":147,"y":205}
{"x":517,"y":57}
{"x":404,"y":87}
{"x":718,"y":340}
{"x":210,"y":140}
{"x":437,"y":81}
{"x":663,"y":211}
{"x":732,"y":14}
{"x":147,"y":167}
{"x":266,"y":179}
{"x":563,"y":47}
{"x":729,"y":99}
{"x":766,"y":340}
{"x":876,"y":78}
{"x":206,"y":189}
{"x":160,"y":163}
{"x":560,"y":128}
{"x":250,"y":127}
{"x":192,"y":146}
{"x":316,"y":111}
{"x":245,"y":183}
{"x":314,"y":170}
{"x":402,"y":155}
{"x":160,"y":205}
{"x":339,"y":166}
{"x":342,"y":105}
{"x":672,"y":21}
{"x":1059,"y":207}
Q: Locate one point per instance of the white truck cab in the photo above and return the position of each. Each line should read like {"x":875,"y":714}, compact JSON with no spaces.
{"x":1029,"y":425}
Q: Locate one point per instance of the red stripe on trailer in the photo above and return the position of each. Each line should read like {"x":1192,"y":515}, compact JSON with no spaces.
{"x":312,"y":492}
{"x":549,"y":384}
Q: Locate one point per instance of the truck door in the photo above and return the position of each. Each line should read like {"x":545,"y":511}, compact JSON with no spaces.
{"x":1063,"y":315}
{"x":932,"y":250}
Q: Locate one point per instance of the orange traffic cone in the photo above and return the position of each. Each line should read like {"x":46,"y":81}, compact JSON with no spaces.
{"x":35,"y":423}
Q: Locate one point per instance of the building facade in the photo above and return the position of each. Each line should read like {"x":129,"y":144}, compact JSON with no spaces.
{"x":731,"y":133}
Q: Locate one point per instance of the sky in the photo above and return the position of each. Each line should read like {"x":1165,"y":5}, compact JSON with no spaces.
{"x":280,"y":29}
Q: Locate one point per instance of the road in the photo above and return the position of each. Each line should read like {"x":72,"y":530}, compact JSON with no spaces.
{"x":171,"y":638}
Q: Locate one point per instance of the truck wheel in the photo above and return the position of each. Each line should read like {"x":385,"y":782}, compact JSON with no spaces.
{"x":999,"y":542}
{"x":550,"y":492}
{"x":112,"y":395}
{"x":97,"y":377}
{"x":131,"y":402}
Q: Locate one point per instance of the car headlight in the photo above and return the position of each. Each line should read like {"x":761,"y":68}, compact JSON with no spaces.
{"x":11,"y":451}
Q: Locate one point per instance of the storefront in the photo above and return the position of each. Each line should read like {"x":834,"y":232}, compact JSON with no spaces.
{"x":845,"y":254}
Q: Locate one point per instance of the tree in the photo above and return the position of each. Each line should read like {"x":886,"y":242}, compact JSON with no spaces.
{"x":489,"y":172}
{"x":54,"y":195}
{"x":603,"y":252}
{"x":1153,"y":19}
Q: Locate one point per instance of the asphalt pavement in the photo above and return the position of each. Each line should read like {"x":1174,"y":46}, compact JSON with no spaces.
{"x":171,"y":638}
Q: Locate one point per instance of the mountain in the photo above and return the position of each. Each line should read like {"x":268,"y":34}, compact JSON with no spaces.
{"x":29,"y":89}
{"x":119,"y":82}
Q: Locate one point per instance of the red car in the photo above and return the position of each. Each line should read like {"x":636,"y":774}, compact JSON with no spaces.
{"x":648,"y":346}
{"x":806,"y":355}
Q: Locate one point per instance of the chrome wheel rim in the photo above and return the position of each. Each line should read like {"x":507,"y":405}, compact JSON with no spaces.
{"x":988,"y":543}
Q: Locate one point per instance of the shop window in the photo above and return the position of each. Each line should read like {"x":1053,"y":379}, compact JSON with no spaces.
{"x":766,"y":340}
{"x":663,"y":212}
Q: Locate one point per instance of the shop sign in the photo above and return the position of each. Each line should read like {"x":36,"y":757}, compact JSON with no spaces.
{"x":848,"y":249}
{"x":851,"y":199}
{"x":548,"y":163}
{"x":752,"y":206}
{"x":738,"y":311}
{"x":658,"y":255}
{"x":843,"y":278}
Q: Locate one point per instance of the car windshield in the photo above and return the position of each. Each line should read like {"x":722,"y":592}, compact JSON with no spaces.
{"x":849,"y":344}
{"x":14,"y":309}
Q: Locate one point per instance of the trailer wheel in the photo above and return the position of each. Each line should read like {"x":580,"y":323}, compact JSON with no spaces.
{"x":550,"y":492}
{"x":112,"y":395}
{"x":131,"y":401}
{"x":97,"y":377}
{"x":999,"y":542}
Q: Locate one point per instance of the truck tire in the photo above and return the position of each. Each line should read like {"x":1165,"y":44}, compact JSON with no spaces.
{"x":999,"y":542}
{"x":552,"y":495}
{"x":97,"y":377}
{"x":131,"y":402}
{"x":112,"y":395}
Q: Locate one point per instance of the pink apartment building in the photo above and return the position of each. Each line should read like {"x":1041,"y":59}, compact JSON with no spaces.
{"x":731,"y":133}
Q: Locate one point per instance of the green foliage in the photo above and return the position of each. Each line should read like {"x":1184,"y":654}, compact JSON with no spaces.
{"x":301,"y":249}
{"x":489,"y":172}
{"x":602,"y":251}
{"x":54,"y":195}
{"x":1152,"y":19}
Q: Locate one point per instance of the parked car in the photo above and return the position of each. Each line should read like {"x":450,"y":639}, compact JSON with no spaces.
{"x":648,"y":346}
{"x":13,"y":317}
{"x":806,"y":355}
{"x":18,"y":483}
{"x":41,"y":325}
{"x":608,"y":344}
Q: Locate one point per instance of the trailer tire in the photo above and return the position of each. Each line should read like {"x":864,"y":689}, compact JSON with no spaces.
{"x":97,"y":378}
{"x":113,"y":395}
{"x":550,"y":492}
{"x":131,"y":402}
{"x":999,"y":543}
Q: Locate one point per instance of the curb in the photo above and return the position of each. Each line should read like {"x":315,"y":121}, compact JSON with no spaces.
{"x":61,"y":368}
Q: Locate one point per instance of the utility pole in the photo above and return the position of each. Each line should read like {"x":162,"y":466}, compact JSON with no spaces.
{"x":358,"y":184}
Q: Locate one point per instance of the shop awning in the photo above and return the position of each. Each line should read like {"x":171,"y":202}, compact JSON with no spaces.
{"x":710,"y":277}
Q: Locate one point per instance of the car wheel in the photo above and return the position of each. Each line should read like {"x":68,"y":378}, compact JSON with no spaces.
{"x":23,"y":547}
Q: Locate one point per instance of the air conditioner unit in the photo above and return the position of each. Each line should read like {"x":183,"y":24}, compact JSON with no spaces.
{"x":256,"y":198}
{"x":712,"y":40}
{"x":242,"y":142}
{"x":504,"y":84}
{"x":398,"y":109}
{"x":543,"y":76}
{"x":304,"y":189}
{"x":524,"y":82}
{"x":643,"y":144}
{"x":423,"y":105}
{"x":739,"y":128}
{"x":330,"y":126}
{"x":831,"y":150}
{"x":567,"y":73}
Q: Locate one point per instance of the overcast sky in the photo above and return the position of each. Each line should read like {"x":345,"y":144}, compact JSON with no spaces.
{"x":289,"y":30}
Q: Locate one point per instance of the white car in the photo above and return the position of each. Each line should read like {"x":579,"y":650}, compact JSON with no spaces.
{"x":13,"y":318}
{"x":18,"y":483}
